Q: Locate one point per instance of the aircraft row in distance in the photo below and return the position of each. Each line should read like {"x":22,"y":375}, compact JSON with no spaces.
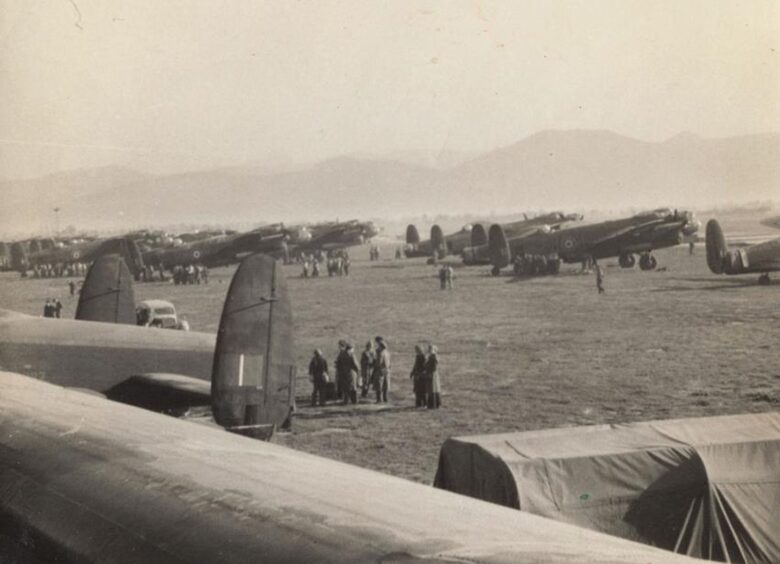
{"x":538,"y":246}
{"x":146,"y":251}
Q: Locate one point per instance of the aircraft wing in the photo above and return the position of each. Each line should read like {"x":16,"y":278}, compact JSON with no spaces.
{"x":623,"y":231}
{"x":84,"y":479}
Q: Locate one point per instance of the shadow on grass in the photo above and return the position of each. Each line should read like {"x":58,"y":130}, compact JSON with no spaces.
{"x":722,"y":280}
{"x":328,"y":411}
{"x":722,"y":284}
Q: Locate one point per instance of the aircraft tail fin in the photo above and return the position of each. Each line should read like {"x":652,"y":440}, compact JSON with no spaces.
{"x":253,"y":377}
{"x":19,"y":258}
{"x":412,"y":235}
{"x":107,"y":294}
{"x":478,"y":235}
{"x":717,"y":251}
{"x":126,"y":248}
{"x":438,"y":243}
{"x":498,"y":244}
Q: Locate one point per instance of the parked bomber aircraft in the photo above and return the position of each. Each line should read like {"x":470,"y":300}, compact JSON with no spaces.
{"x":220,"y":250}
{"x":247,"y":373}
{"x":472,"y":239}
{"x":23,"y":257}
{"x":479,"y":252}
{"x":542,"y":253}
{"x":441,"y":245}
{"x":333,"y":235}
{"x":762,"y":258}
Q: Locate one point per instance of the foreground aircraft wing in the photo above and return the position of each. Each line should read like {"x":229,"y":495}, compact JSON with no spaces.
{"x":83,"y":479}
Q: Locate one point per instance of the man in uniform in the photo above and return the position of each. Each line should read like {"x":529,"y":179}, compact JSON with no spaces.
{"x":381,"y":375}
{"x":346,"y":371}
{"x":339,"y":381}
{"x":318,"y":374}
{"x":366,"y":368}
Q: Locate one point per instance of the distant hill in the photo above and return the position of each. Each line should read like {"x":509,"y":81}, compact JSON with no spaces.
{"x":578,"y":169}
{"x":600,"y":169}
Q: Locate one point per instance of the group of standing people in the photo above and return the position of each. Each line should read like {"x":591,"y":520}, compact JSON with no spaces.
{"x":190,"y":274}
{"x":58,"y":270}
{"x":52,"y":308}
{"x":337,"y":263}
{"x":373,"y":370}
{"x":425,"y":378}
{"x":373,"y":253}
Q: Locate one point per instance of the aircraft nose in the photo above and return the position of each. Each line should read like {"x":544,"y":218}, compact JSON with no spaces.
{"x":371,"y":229}
{"x":691,"y":226}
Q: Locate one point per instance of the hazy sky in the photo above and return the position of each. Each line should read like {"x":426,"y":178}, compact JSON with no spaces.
{"x":171,"y":85}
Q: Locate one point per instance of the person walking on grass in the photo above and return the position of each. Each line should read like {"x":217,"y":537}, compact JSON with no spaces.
{"x":600,"y":279}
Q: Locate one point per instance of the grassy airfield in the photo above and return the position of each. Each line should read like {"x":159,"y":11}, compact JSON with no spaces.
{"x":515,"y":354}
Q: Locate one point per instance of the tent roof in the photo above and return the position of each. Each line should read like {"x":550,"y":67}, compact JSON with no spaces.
{"x":597,"y":440}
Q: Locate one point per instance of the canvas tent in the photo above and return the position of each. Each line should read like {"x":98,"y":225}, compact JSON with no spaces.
{"x":707,"y":487}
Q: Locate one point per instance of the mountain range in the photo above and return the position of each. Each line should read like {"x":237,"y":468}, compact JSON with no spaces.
{"x":569,"y":170}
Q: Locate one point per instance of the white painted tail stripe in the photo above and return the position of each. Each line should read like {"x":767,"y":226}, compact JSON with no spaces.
{"x":241,"y":370}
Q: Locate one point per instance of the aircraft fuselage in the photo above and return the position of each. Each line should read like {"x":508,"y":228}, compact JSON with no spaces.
{"x":65,"y":352}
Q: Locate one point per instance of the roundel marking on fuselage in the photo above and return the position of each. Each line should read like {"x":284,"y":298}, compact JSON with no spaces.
{"x":196,"y":254}
{"x":76,"y":255}
{"x":568,"y":243}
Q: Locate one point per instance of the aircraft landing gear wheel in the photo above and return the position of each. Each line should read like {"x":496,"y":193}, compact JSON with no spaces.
{"x":648,"y":262}
{"x":495,"y":271}
{"x":764,"y":279}
{"x":627,"y":261}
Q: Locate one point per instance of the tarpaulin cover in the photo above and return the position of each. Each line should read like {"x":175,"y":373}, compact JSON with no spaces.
{"x":707,"y":487}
